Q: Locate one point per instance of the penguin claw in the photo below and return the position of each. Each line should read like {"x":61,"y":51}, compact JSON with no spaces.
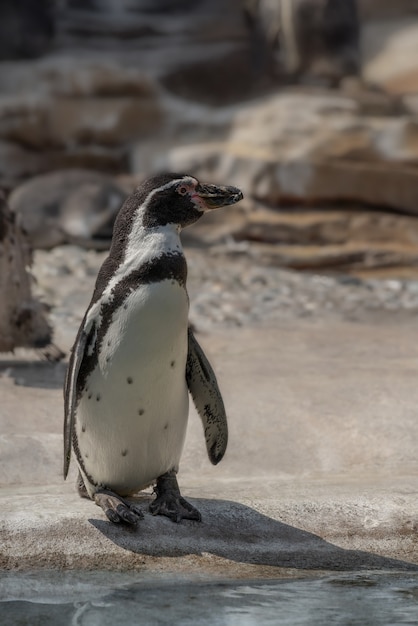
{"x":174,"y":508}
{"x":117,"y":509}
{"x":112,"y":516}
{"x":126,"y":515}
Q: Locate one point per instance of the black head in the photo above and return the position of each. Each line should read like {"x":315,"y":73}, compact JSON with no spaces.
{"x":176,"y":199}
{"x":179,"y":199}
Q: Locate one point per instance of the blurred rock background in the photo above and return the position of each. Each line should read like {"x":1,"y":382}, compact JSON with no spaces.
{"x":310,"y":106}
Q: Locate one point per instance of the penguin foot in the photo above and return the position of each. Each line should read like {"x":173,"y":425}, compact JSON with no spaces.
{"x":117,"y":509}
{"x":169,"y":501}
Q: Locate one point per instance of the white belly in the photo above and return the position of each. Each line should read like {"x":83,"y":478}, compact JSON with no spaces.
{"x":131,"y":422}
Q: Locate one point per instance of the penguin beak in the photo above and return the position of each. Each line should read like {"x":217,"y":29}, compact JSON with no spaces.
{"x":215,"y":196}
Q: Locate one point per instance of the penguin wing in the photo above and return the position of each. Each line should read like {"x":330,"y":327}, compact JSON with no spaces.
{"x":207,"y":398}
{"x":70,"y":386}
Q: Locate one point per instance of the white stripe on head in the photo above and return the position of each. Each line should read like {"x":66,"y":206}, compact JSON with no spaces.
{"x":146,"y":243}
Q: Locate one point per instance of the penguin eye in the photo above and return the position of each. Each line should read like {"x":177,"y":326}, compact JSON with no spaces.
{"x":182,"y":190}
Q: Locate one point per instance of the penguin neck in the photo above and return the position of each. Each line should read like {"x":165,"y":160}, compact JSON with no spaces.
{"x":146,"y":244}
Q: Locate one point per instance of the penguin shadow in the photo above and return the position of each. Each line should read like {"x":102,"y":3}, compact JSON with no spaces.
{"x":42,"y":374}
{"x":238,"y":533}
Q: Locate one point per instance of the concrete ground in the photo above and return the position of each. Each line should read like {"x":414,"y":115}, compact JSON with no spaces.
{"x":321,"y":471}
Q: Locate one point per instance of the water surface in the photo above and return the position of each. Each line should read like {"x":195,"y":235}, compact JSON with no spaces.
{"x":106,"y":599}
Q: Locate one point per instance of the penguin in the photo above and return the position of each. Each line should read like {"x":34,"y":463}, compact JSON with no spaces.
{"x":135,"y":358}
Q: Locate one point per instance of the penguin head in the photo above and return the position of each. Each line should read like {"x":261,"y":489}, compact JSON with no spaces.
{"x":180,"y":199}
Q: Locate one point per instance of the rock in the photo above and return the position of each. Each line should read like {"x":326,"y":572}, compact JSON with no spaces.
{"x":390,"y":49}
{"x":62,"y":112}
{"x":110,"y":121}
{"x":65,"y":74}
{"x":17,"y":163}
{"x":68,"y":206}
{"x":113,"y":160}
{"x":77,"y":102}
{"x":317,"y":152}
{"x":26,"y":28}
{"x":352,"y":257}
{"x":23,"y":320}
{"x":24,"y":120}
{"x":35,"y":137}
{"x":182,"y":44}
{"x":330,"y":486}
{"x":378,"y":9}
{"x":371,"y":99}
{"x":335,"y":225}
{"x":308,"y":148}
{"x":304,"y":38}
{"x":220,"y":75}
{"x":336,"y":239}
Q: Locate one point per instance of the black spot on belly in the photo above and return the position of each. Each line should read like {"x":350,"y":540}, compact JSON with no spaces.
{"x":129,"y":380}
{"x":83,"y":429}
{"x":141,"y":412}
{"x":172,"y":363}
{"x":86,"y":455}
{"x":89,"y":396}
{"x":124,"y":452}
{"x":98,"y":397}
{"x":109,"y":343}
{"x":165,"y":427}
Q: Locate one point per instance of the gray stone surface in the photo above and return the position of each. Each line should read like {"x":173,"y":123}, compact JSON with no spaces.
{"x":320,"y":473}
{"x":23,"y":319}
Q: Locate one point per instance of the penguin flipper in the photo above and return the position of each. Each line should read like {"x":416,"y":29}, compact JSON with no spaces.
{"x":203,"y":386}
{"x":70,"y":395}
{"x":70,"y":386}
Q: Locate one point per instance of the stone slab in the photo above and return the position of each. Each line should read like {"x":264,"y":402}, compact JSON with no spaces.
{"x":320,"y":473}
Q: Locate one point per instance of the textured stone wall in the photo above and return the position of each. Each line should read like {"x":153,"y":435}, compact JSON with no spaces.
{"x":22,"y":317}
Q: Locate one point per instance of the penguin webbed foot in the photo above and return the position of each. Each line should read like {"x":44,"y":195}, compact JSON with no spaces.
{"x":116,"y":508}
{"x":169,"y":501}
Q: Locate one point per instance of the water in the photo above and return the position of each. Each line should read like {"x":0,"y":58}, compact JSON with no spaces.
{"x":105,"y":599}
